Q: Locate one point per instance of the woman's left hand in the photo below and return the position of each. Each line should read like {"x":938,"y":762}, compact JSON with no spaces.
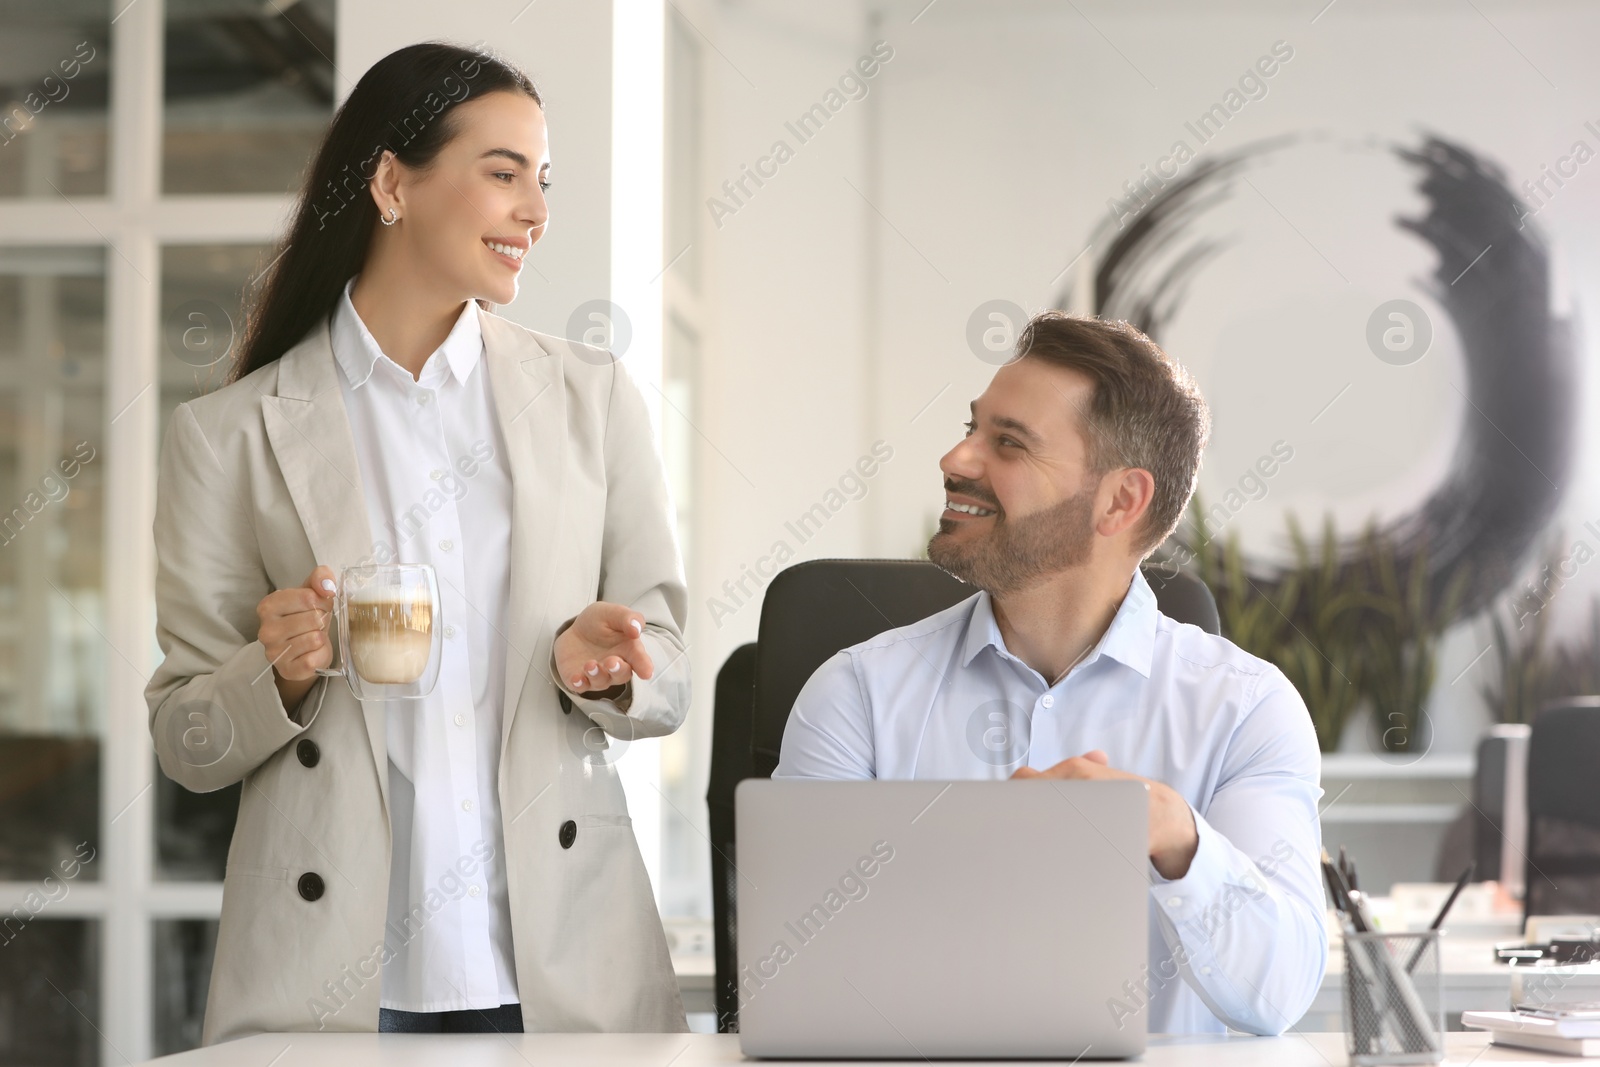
{"x":601,"y":649}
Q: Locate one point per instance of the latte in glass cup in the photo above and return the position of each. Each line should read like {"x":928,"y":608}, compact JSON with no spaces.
{"x":391,"y":636}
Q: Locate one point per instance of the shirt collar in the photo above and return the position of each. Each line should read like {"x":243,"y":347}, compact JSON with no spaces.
{"x":1130,"y":639}
{"x":357,"y":351}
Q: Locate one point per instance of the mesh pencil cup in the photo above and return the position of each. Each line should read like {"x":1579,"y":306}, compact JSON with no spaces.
{"x":1393,"y":998}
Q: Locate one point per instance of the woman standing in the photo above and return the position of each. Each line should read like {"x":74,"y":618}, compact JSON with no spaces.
{"x":464,"y":861}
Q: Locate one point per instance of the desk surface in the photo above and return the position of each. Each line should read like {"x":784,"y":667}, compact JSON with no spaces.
{"x":1473,"y":981}
{"x":718,"y":1050}
{"x":1461,"y":954}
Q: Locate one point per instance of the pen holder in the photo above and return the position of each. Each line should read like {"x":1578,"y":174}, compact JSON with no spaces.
{"x":1393,"y":998}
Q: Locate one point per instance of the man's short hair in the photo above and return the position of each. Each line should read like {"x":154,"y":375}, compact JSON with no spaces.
{"x":1146,"y":411}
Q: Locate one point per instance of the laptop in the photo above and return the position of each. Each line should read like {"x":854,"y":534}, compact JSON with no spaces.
{"x":927,"y":919}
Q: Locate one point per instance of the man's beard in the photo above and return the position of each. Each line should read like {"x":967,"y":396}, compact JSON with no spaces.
{"x":1016,"y":552}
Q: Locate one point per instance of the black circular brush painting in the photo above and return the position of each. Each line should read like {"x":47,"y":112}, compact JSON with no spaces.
{"x":1516,"y":447}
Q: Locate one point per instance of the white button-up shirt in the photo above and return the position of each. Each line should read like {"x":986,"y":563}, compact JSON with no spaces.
{"x":1239,"y":939}
{"x":438,"y":491}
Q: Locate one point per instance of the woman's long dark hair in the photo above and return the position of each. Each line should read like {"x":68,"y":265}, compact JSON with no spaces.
{"x":401,"y":104}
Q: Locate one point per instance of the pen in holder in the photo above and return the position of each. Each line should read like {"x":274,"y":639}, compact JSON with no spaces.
{"x":1393,"y":998}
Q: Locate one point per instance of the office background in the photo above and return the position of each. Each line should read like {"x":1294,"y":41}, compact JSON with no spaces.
{"x":789,"y":309}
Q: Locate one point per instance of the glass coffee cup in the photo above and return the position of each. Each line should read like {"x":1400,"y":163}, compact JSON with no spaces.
{"x":390,"y":640}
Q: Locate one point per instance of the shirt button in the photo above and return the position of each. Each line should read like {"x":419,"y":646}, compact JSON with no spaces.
{"x":436,"y":475}
{"x":1205,"y":970}
{"x":466,"y":805}
{"x":422,"y":398}
{"x":1173,"y":902}
{"x":461,"y":720}
{"x":449,"y":630}
{"x":1048,"y":701}
{"x":446,"y":546}
{"x":474,"y":890}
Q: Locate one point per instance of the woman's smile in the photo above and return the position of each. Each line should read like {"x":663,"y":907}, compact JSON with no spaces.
{"x":508,"y":250}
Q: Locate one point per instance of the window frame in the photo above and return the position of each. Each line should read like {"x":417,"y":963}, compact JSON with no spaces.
{"x":132,"y":223}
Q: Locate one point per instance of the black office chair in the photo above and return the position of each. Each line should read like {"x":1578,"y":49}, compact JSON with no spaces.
{"x":1563,"y":868}
{"x":811,"y":611}
{"x":731,"y":763}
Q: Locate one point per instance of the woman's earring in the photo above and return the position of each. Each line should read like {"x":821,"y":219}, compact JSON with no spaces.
{"x":394,"y":217}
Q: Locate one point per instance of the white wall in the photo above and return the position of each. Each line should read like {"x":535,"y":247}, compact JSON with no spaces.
{"x":991,"y":143}
{"x":568,"y":48}
{"x":785,"y":389}
{"x":565,"y":45}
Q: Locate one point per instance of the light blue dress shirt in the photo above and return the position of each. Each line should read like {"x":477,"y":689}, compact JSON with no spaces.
{"x":1239,"y":940}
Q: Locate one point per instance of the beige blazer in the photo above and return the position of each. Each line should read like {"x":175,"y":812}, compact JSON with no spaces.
{"x":259,"y":483}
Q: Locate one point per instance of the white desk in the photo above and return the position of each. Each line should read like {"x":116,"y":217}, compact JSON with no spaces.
{"x":716,"y":1050}
{"x":1473,"y":981}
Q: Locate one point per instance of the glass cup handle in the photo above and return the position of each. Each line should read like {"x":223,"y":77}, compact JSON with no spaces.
{"x":335,"y":669}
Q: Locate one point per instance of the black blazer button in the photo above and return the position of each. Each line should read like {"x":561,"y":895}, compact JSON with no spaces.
{"x":569,"y":833}
{"x":311,"y":885}
{"x":308,"y":752}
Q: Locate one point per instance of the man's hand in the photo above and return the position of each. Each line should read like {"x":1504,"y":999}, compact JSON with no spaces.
{"x":1173,"y":836}
{"x":601,"y":650}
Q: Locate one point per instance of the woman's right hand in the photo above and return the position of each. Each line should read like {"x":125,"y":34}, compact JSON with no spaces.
{"x":294,"y":633}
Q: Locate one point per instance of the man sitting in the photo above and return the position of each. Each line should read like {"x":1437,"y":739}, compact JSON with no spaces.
{"x":1080,"y":458}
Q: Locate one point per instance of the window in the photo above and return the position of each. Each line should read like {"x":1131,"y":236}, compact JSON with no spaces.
{"x":247,"y":93}
{"x":54,"y":85}
{"x":119,"y":297}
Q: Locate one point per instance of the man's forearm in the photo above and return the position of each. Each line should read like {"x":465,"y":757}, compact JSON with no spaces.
{"x":1244,"y":933}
